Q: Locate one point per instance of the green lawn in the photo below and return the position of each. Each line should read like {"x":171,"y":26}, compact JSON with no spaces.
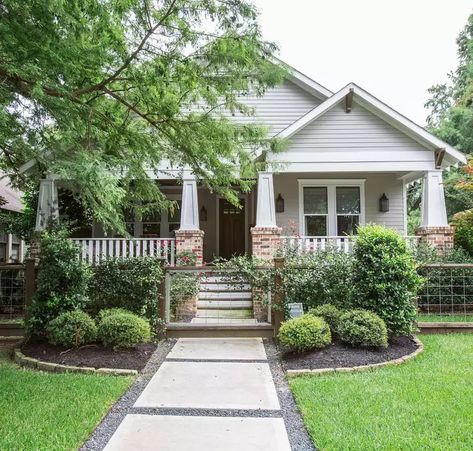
{"x":424,"y":404}
{"x":445,"y":318}
{"x":46,"y":411}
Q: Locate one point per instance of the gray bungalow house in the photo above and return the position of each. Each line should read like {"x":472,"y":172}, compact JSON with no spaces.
{"x":349,"y":159}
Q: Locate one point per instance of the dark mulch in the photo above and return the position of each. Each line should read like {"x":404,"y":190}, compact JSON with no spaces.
{"x":96,"y":356}
{"x":339,"y":355}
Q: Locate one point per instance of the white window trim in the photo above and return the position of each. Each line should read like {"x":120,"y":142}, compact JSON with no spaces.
{"x":331,"y":185}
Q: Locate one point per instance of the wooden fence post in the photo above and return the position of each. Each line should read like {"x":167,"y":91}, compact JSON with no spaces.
{"x":277,"y":305}
{"x":30,"y":280}
{"x":162,"y":292}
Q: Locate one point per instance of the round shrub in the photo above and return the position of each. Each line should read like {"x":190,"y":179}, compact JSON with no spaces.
{"x":305,"y":333}
{"x":123,"y":330}
{"x":74,"y":328}
{"x":362,"y":328}
{"x":110,"y":311}
{"x":463,"y":222}
{"x":329,"y":313}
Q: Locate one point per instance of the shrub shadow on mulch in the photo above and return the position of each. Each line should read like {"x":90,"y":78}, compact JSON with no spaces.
{"x":339,"y":355}
{"x":96,"y":356}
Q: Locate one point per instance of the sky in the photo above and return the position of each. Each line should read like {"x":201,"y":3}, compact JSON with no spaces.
{"x":395,"y":50}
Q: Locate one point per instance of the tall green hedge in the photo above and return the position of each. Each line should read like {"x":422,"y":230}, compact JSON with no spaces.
{"x":385,"y":277}
{"x":132,"y":284}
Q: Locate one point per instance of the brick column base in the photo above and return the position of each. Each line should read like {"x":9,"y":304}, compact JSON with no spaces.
{"x":441,"y":238}
{"x":191,"y":241}
{"x":265,"y":243}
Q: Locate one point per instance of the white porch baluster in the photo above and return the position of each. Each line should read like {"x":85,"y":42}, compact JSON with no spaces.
{"x":265,"y":206}
{"x":434,"y":212}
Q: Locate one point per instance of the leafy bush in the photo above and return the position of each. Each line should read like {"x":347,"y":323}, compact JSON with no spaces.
{"x":305,"y":333}
{"x":317,"y":278}
{"x":329,"y":313}
{"x":132,"y":284}
{"x":362,"y":328}
{"x":109,"y":311}
{"x":463,"y":222}
{"x":184,"y":286}
{"x":123,"y":330}
{"x":385,"y":277}
{"x":61,"y":283}
{"x":72,"y":329}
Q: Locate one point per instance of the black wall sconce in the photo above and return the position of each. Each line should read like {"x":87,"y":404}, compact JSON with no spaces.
{"x":279,"y":204}
{"x":383,"y":203}
{"x":203,"y":214}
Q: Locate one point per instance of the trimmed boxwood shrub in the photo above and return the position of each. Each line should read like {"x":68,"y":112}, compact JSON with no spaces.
{"x":329,"y":313}
{"x":72,"y":329}
{"x":110,"y":311}
{"x":123,"y":330}
{"x":362,"y":328}
{"x":305,"y":333}
{"x":385,"y":277}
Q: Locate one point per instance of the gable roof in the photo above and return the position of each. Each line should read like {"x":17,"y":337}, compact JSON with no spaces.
{"x":380,"y":109}
{"x":305,"y":82}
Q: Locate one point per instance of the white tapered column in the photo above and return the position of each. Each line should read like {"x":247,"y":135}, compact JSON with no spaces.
{"x":189,"y":206}
{"x":48,"y":204}
{"x":265,"y":206}
{"x":434,"y":210}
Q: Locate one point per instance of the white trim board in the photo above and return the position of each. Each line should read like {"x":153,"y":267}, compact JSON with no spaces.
{"x":331,"y":185}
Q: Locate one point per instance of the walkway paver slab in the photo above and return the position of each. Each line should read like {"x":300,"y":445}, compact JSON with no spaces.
{"x":211,"y":385}
{"x":218,"y":349}
{"x":197,"y":433}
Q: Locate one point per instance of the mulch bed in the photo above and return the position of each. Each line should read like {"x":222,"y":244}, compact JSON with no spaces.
{"x":339,"y":355}
{"x":96,"y":356}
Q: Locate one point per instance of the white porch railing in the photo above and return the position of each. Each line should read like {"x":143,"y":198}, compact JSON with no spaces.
{"x":319,"y":243}
{"x":94,"y":250}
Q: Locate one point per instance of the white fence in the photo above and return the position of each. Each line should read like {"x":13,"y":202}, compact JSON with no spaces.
{"x":95,"y":250}
{"x":319,"y":243}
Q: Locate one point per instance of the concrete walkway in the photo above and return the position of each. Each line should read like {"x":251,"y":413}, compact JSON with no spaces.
{"x":218,"y":395}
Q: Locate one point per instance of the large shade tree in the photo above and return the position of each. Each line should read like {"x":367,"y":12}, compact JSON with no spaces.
{"x":451,"y":119}
{"x":100,"y":92}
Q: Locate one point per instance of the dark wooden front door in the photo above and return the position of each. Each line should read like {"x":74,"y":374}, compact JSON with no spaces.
{"x":232,"y":229}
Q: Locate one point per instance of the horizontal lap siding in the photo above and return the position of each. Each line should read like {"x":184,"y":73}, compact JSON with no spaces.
{"x":279,"y":107}
{"x":375,"y":186}
{"x":356,"y":136}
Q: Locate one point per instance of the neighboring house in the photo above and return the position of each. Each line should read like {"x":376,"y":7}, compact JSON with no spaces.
{"x":11,"y":247}
{"x":348,"y":161}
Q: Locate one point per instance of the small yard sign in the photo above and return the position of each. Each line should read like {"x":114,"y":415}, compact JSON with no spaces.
{"x":295,"y":309}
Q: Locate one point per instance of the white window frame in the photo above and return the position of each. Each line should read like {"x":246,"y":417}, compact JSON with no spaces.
{"x":331,"y":185}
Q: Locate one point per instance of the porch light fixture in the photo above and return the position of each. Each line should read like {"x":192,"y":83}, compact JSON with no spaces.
{"x":383,"y":203}
{"x":203,"y":214}
{"x":279,"y":204}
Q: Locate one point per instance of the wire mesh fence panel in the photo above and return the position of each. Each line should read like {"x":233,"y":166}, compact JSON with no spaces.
{"x":447,"y":293}
{"x":12,"y":291}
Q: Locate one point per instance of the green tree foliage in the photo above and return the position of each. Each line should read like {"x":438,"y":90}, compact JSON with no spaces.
{"x":451,"y":119}
{"x":102,"y":92}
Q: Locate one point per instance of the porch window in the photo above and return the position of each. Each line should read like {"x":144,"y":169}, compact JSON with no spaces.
{"x":315,"y":210}
{"x":174,"y":219}
{"x":152,"y":225}
{"x":331,"y":207}
{"x":348,"y":209}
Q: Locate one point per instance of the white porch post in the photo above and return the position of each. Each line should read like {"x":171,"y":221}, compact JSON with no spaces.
{"x":265,"y":206}
{"x":434,"y":211}
{"x":189,"y":206}
{"x":434,"y":229}
{"x":189,"y":237}
{"x":48,"y":204}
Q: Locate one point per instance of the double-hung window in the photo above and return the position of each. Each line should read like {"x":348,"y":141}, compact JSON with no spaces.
{"x":331,"y":207}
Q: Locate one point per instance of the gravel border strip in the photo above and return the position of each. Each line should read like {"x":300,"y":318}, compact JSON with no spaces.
{"x":36,"y":364}
{"x":296,"y":431}
{"x":192,"y":411}
{"x":104,"y":431}
{"x":371,"y":366}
